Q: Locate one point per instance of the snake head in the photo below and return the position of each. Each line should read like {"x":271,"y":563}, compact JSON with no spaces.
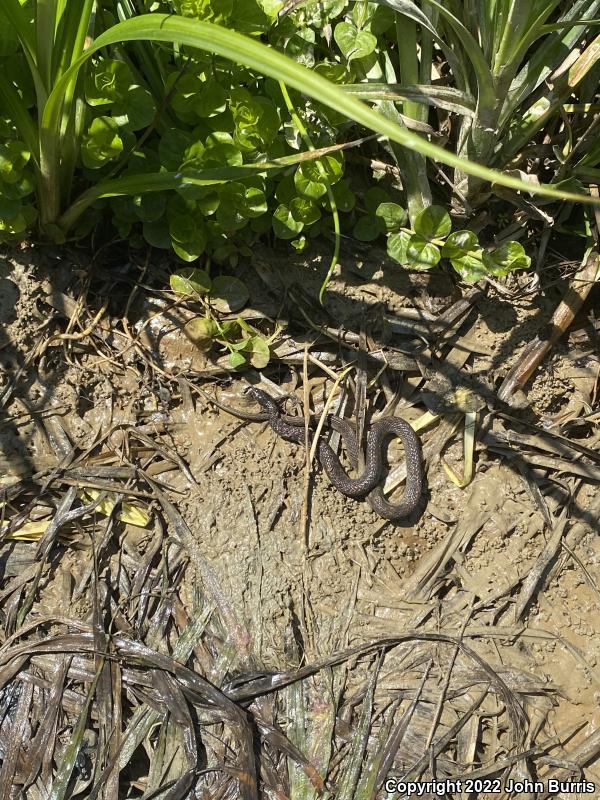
{"x":263,"y":399}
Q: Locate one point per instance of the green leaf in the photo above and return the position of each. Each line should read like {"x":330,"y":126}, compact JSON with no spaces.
{"x":367,"y":229}
{"x":352,"y":42}
{"x":172,"y":146}
{"x":433,"y":223}
{"x":13,"y":158}
{"x":191,"y":282}
{"x":284,"y":224}
{"x":101,"y":143}
{"x":345,"y":199}
{"x":506,"y":258}
{"x":299,"y":244}
{"x":469,"y":267}
{"x":156,"y":233}
{"x":421,"y":254}
{"x":304,"y":210}
{"x":202,"y":332}
{"x":374,"y":197}
{"x":459,"y":244}
{"x":210,"y":100}
{"x":150,"y":207}
{"x":136,"y":110}
{"x":236,"y":360}
{"x":228,"y":294}
{"x":192,"y":249}
{"x":257,"y":352}
{"x":397,"y":246}
{"x":310,"y":181}
{"x":393,"y":216}
{"x":107,"y":82}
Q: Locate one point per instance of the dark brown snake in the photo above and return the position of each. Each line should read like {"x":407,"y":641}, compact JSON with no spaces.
{"x":368,"y":483}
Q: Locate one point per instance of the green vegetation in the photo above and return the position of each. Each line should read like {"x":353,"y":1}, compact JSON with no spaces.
{"x":202,"y":125}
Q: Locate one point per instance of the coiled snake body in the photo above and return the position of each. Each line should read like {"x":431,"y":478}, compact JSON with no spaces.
{"x":368,"y":483}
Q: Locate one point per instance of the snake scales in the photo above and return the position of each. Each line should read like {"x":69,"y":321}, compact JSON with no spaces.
{"x":368,"y":483}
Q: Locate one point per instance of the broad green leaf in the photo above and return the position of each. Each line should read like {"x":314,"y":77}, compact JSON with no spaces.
{"x":397,"y":246}
{"x":310,"y":181}
{"x":469,"y":267}
{"x":299,"y":244}
{"x":156,"y":233}
{"x":107,"y":82}
{"x":374,"y":197}
{"x":236,"y":360}
{"x":9,"y":207}
{"x":150,"y":207}
{"x":393,"y":216}
{"x":507,"y":257}
{"x":257,"y":352}
{"x":421,"y":254}
{"x":202,"y":332}
{"x":284,"y":224}
{"x":345,"y":199}
{"x":136,"y":110}
{"x":248,"y":17}
{"x":433,"y":223}
{"x":192,"y":249}
{"x":13,"y":157}
{"x":367,"y":229}
{"x":191,"y":282}
{"x":228,"y":294}
{"x":101,"y":143}
{"x":211,"y":99}
{"x":304,"y":210}
{"x":459,"y":243}
{"x":352,"y":42}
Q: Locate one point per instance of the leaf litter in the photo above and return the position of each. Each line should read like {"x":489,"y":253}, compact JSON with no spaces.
{"x":170,"y":632}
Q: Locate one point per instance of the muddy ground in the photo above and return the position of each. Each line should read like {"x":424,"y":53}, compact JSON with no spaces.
{"x":303,"y":569}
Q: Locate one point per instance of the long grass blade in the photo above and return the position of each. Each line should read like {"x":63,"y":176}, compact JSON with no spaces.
{"x":242,"y":49}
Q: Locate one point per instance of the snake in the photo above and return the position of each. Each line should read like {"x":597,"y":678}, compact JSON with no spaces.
{"x":367,"y":485}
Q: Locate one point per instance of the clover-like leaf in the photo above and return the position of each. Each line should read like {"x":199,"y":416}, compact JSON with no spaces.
{"x":433,"y":223}
{"x":202,"y":331}
{"x":506,"y":258}
{"x":228,"y":294}
{"x":397,"y":246}
{"x":393,"y":216}
{"x":236,"y":360}
{"x":421,"y":254}
{"x":257,"y":352}
{"x":304,"y":210}
{"x":459,"y":244}
{"x":101,"y":143}
{"x":136,"y":110}
{"x":367,"y":229}
{"x":107,"y":82}
{"x":191,"y":281}
{"x":14,"y":155}
{"x":352,"y":42}
{"x":156,"y":233}
{"x":310,"y":180}
{"x":284,"y":224}
{"x":470,"y":267}
{"x":374,"y":197}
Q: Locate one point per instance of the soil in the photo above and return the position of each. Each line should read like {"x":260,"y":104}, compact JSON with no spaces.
{"x":307,"y":564}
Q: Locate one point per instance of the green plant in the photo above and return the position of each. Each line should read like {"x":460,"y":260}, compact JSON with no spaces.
{"x":224,"y":294}
{"x":50,"y":125}
{"x":432,"y":239}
